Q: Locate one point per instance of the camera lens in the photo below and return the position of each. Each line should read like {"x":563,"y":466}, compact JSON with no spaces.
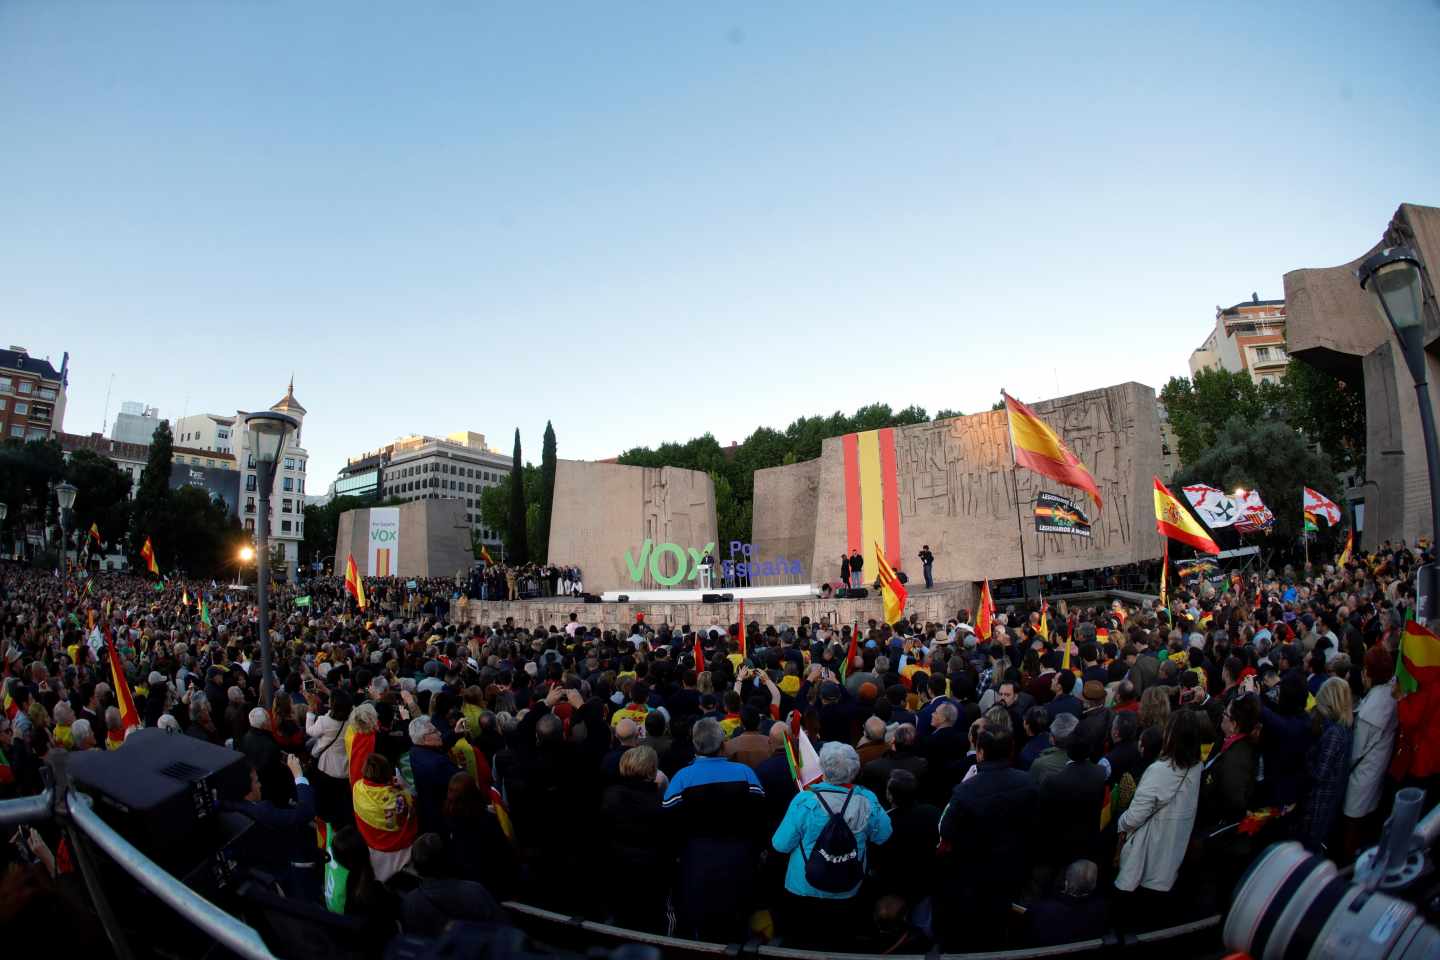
{"x":1292,"y":904}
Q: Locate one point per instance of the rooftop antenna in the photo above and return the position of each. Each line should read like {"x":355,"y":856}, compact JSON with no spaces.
{"x":105,"y":419}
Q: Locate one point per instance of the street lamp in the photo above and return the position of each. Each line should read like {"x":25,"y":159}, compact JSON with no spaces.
{"x":1393,"y":276}
{"x":247,"y":553}
{"x":265,"y":436}
{"x":65,"y":497}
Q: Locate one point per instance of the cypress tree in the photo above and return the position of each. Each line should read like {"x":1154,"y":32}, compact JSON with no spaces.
{"x":547,"y":490}
{"x":517,"y":550}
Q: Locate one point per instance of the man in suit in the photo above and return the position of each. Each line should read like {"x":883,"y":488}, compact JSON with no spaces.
{"x":1065,"y":701}
{"x":1070,"y":803}
{"x":903,"y":755}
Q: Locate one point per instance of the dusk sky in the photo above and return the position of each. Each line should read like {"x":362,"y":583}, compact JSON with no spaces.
{"x":645,"y":222}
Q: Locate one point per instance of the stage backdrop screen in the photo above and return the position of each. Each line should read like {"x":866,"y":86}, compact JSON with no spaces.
{"x":384,"y":552}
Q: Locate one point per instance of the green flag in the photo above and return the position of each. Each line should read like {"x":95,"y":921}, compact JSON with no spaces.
{"x":302,"y":601}
{"x":204,"y":611}
{"x":159,"y":587}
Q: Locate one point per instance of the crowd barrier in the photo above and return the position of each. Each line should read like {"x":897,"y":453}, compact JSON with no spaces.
{"x":85,"y":827}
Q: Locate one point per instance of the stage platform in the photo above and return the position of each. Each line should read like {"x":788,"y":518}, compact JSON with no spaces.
{"x":938,"y":605}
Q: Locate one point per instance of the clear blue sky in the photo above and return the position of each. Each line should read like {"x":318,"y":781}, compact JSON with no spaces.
{"x":649,"y":221}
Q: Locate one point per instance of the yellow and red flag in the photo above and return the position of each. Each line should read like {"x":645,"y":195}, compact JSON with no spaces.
{"x":1349,"y":549}
{"x":485,"y":554}
{"x":353,"y":586}
{"x":851,"y":653}
{"x":1419,"y":661}
{"x":1164,"y":576}
{"x":699,"y":656}
{"x":129,"y":716}
{"x":95,"y":533}
{"x":1417,"y":679}
{"x":1175,"y":522}
{"x":1037,"y":447}
{"x":985,"y":615}
{"x":891,"y":588}
{"x":147,"y":553}
{"x":1044,"y":628}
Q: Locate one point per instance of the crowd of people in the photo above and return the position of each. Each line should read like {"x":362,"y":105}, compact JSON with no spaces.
{"x":497,"y":581}
{"x":1078,"y":769}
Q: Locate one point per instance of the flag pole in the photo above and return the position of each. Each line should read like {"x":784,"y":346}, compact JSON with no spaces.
{"x":1019,"y":524}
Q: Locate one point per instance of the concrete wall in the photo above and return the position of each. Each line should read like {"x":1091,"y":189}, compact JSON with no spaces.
{"x":601,"y":511}
{"x":955,"y":492}
{"x":434,"y":539}
{"x":1335,"y":325}
{"x":785,"y":505}
{"x":935,"y":606}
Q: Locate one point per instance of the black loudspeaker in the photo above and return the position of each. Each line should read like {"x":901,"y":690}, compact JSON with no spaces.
{"x":712,"y":598}
{"x":728,"y":597}
{"x":852,"y":593}
{"x":162,"y":792}
{"x":623,"y":598}
{"x":590,"y":598}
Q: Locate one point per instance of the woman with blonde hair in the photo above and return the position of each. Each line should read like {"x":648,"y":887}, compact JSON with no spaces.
{"x":1154,"y":708}
{"x":360,"y":739}
{"x":1326,"y":762}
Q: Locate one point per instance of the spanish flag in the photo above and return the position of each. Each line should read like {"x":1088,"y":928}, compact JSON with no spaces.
{"x":891,"y":588}
{"x":743,"y":652}
{"x":1349,"y":549}
{"x":850,"y":653}
{"x":1044,"y":628}
{"x":485,"y":555}
{"x":95,"y":533}
{"x":353,"y":586}
{"x":185,"y":596}
{"x":1175,"y":522}
{"x":385,"y":815}
{"x":1417,"y":682}
{"x":147,"y":553}
{"x":699,"y":656}
{"x":985,"y":615}
{"x":129,"y":716}
{"x":1039,"y":448}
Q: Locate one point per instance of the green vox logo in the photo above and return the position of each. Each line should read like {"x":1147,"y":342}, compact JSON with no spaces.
{"x":384,"y":535}
{"x":687,"y":562}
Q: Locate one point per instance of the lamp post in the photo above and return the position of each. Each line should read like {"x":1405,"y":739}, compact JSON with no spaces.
{"x":247,"y":553}
{"x":1393,"y":276}
{"x":65,"y":497}
{"x":266,"y":434}
{"x":4,"y":510}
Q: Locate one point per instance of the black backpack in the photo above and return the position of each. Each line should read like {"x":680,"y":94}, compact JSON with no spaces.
{"x":833,"y":864}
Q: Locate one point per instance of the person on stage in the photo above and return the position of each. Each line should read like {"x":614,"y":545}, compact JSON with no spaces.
{"x":927,"y":563}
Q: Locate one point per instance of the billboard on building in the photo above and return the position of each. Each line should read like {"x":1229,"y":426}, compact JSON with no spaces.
{"x":215,"y":481}
{"x":384,"y":549}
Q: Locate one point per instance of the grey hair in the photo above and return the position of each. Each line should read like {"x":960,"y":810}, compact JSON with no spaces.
{"x":168,"y":723}
{"x":112,"y":717}
{"x":236,"y":695}
{"x":947,"y":713}
{"x":708,"y":736}
{"x":80,"y":731}
{"x":875,"y":730}
{"x":199,"y":705}
{"x":505,"y":722}
{"x":1081,"y":878}
{"x":63,"y":714}
{"x":420,"y":728}
{"x":364,"y":718}
{"x":839,"y":763}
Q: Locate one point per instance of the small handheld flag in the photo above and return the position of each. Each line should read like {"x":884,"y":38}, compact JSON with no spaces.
{"x":485,"y":555}
{"x":851,"y":653}
{"x":95,"y":533}
{"x":205,"y":612}
{"x":129,"y":716}
{"x":1348,"y":551}
{"x":699,"y":656}
{"x":891,"y":588}
{"x":743,"y":652}
{"x":985,"y":616}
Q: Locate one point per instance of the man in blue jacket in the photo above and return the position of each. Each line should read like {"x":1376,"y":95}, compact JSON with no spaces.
{"x":432,"y":769}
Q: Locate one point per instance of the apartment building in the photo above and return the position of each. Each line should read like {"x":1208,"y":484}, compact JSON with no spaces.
{"x":1249,"y":338}
{"x":32,"y":395}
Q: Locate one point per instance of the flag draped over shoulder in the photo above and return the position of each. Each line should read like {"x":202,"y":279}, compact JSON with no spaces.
{"x":893,"y":590}
{"x":385,"y":815}
{"x":985,"y":615}
{"x":353,"y":586}
{"x":1037,"y":447}
{"x":1417,"y":679}
{"x":1176,"y":523}
{"x":129,"y":716}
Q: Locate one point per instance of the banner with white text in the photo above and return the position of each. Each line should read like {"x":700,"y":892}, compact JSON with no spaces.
{"x":384,"y":552}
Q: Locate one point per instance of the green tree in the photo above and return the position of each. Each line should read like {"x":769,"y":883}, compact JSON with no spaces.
{"x":28,"y":471}
{"x":547,"y":492}
{"x":322,"y":527}
{"x":150,"y":511}
{"x":947,"y":413}
{"x":203,"y":537}
{"x":1268,"y":456}
{"x":1329,"y":411}
{"x":102,"y":495}
{"x":1201,"y":406}
{"x":515,"y":542}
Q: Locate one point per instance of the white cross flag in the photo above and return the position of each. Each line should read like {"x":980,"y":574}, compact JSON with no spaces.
{"x":1255,"y":516}
{"x":1216,"y":507}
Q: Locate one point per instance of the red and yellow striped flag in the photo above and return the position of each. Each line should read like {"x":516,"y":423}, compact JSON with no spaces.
{"x":743,"y":652}
{"x":353,"y":585}
{"x":1037,"y":447}
{"x":1348,"y":551}
{"x":891,"y":588}
{"x":147,"y":553}
{"x":129,"y":716}
{"x":1175,"y":522}
{"x":985,"y":614}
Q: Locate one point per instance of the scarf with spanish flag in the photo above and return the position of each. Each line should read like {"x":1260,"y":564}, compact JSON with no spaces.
{"x":385,"y":815}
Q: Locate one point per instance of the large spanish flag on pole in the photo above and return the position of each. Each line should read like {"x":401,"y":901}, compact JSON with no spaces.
{"x":1175,"y":522}
{"x":891,"y":588}
{"x":353,"y":586}
{"x":129,"y":716}
{"x":147,"y":553}
{"x":1039,"y":448}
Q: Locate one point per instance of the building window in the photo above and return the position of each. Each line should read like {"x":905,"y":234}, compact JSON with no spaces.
{"x":302,"y":466}
{"x":47,"y":393}
{"x":249,"y":524}
{"x":250,"y":483}
{"x":26,"y":386}
{"x":249,"y":504}
{"x":300,"y":485}
{"x":7,"y":384}
{"x":17,"y":432}
{"x":250,"y":462}
{"x":288,"y":485}
{"x":21,"y":407}
{"x":289,"y":463}
{"x":222,"y":434}
{"x":285,"y":505}
{"x":35,"y":434}
{"x":284,"y":526}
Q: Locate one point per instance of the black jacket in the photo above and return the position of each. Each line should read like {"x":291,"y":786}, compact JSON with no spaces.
{"x":282,"y":835}
{"x":988,"y":824}
{"x":634,"y":829}
{"x":1070,"y":803}
{"x":276,"y":784}
{"x":428,"y":909}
